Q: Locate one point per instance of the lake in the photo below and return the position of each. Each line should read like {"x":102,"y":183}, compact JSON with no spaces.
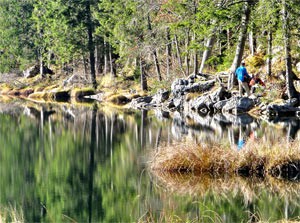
{"x":88,"y":163}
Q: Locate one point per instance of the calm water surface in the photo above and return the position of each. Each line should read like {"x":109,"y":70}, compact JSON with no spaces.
{"x":67,"y":163}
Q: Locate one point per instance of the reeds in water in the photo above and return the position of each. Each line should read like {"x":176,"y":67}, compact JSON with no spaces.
{"x":257,"y":158}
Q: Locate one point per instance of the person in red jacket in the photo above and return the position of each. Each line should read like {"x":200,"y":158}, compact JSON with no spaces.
{"x":255,"y":81}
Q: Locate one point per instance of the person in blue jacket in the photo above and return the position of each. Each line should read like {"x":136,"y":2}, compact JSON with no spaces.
{"x":243,"y":78}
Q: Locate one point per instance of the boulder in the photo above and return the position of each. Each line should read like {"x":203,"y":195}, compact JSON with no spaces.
{"x":201,"y":104}
{"x":206,"y":103}
{"x":183,"y":86}
{"x":161,"y":96}
{"x":220,"y":94}
{"x":169,"y":104}
{"x":238,"y":105}
{"x":141,"y":102}
{"x":35,"y":70}
{"x":220,"y":104}
{"x":178,"y":86}
{"x":285,"y":110}
{"x":31,"y":71}
{"x":199,"y":87}
{"x":178,"y":102}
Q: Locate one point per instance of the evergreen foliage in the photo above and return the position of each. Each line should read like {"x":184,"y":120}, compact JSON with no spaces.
{"x":167,"y":36}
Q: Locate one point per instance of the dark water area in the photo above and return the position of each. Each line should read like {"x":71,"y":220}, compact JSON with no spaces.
{"x":88,"y":163}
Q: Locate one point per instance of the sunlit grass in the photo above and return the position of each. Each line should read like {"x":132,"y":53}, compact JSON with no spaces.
{"x":11,"y":214}
{"x":198,"y":170}
{"x":221,"y":158}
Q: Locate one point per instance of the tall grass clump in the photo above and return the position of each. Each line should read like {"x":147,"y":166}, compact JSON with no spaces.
{"x":260,"y":166}
{"x":11,"y":214}
{"x":256,"y":158}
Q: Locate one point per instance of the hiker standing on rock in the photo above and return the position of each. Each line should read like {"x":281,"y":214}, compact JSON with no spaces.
{"x":243,"y":77}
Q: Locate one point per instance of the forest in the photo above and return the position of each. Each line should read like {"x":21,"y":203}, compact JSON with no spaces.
{"x":197,"y":151}
{"x":155,"y":40}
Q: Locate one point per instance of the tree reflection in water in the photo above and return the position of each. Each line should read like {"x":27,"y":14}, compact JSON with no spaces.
{"x":87,"y":164}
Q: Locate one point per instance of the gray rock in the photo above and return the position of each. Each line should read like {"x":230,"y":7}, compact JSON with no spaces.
{"x":31,"y":71}
{"x":178,"y":102}
{"x":35,"y":70}
{"x":201,"y":104}
{"x":161,"y":96}
{"x":220,"y":104}
{"x":141,"y":102}
{"x":182,"y":86}
{"x":284,"y":110}
{"x":206,"y":103}
{"x":238,"y":105}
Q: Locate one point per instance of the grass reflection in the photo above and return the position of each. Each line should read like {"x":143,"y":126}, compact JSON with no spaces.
{"x":259,"y":183}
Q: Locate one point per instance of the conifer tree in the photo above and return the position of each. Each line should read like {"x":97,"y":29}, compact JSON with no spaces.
{"x":16,"y":44}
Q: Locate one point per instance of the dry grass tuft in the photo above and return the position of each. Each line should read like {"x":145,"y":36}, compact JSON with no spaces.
{"x":193,"y":158}
{"x":11,"y":214}
{"x":257,"y":158}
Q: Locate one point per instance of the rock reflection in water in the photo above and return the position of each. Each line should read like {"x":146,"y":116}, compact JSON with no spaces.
{"x":237,"y":130}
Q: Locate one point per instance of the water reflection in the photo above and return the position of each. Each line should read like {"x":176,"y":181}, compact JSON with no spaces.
{"x":88,"y":164}
{"x":237,"y":130}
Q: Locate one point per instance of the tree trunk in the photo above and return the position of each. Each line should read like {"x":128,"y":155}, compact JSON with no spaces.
{"x":178,"y":54}
{"x":195,"y":57}
{"x":111,"y":63}
{"x":105,"y":58}
{"x":157,"y":68}
{"x":49,"y":58}
{"x":90,"y":30}
{"x":168,"y":52}
{"x":229,"y":35}
{"x":155,"y":58}
{"x":41,"y":66}
{"x":270,"y":53}
{"x":97,"y":60}
{"x":144,"y":85}
{"x":84,"y":66}
{"x":187,"y":55}
{"x":168,"y":63}
{"x":291,"y":91}
{"x":208,"y":48}
{"x":240,"y":45}
{"x":251,"y":43}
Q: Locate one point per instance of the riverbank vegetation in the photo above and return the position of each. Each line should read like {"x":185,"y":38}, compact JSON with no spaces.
{"x":146,"y":43}
{"x":219,"y":171}
{"x":255,"y":159}
{"x":11,"y":214}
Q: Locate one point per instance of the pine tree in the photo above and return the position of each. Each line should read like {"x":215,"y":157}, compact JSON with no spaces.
{"x":16,"y":44}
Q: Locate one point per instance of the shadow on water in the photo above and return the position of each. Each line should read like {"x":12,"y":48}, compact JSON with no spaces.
{"x":62,"y":162}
